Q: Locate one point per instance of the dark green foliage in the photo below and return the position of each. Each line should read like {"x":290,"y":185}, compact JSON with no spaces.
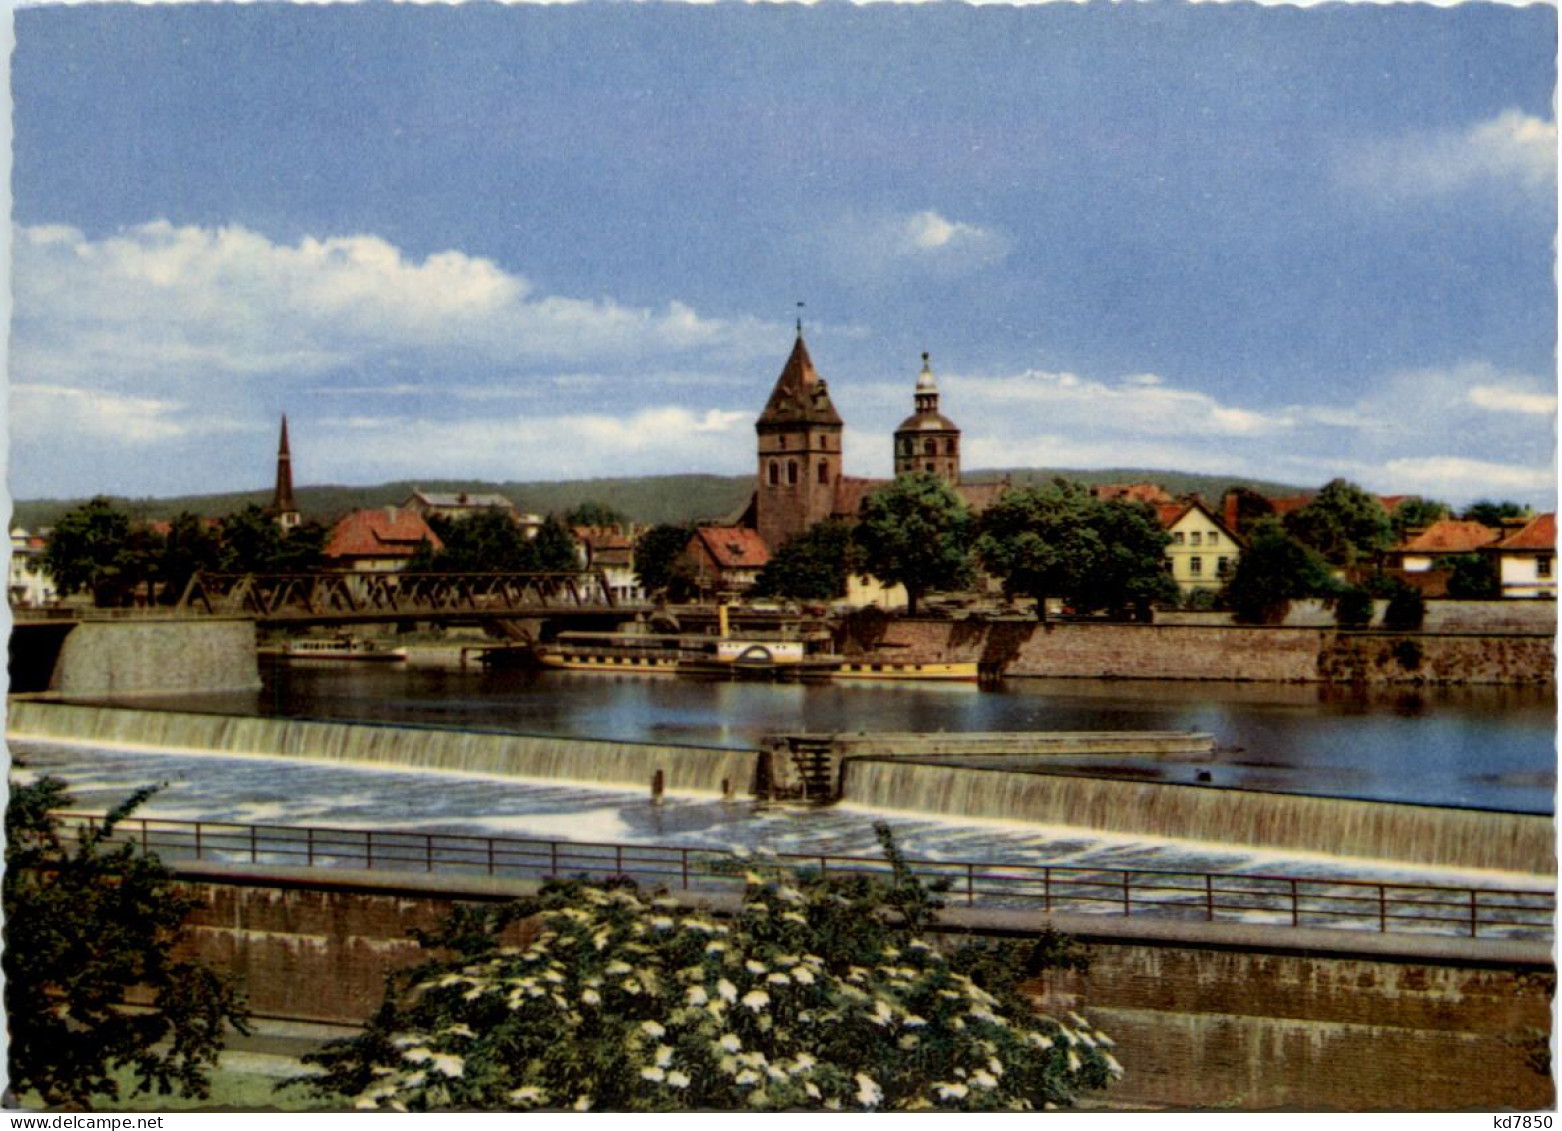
{"x":916,"y":532}
{"x":594,"y":512}
{"x":1251,"y":506}
{"x":1416,"y":513}
{"x":1406,"y":610}
{"x":1353,"y":608}
{"x":813,"y":565}
{"x":1491,"y":514}
{"x":1470,"y":576}
{"x":1274,"y":570}
{"x":660,"y":565}
{"x":490,"y":541}
{"x":1059,"y":540}
{"x":91,"y":550}
{"x":86,"y":922}
{"x":190,"y":547}
{"x":816,"y":993}
{"x":1343,"y":523}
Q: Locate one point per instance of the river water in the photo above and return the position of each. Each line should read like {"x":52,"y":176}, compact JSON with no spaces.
{"x":1474,"y":747}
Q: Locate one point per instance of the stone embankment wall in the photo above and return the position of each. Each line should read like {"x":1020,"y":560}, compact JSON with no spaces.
{"x":1254,"y":1026}
{"x":157,"y":657}
{"x":1095,"y":650}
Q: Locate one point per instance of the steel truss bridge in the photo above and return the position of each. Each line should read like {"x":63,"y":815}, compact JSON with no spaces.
{"x":349,"y":596}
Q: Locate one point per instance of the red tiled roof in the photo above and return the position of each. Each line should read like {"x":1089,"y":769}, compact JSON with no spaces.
{"x":1539,"y":533}
{"x":979,"y":496}
{"x":1170,"y":514}
{"x":1449,"y":536}
{"x":733,"y":547}
{"x":850,"y":491}
{"x":384,"y":532}
{"x":1285,"y":504}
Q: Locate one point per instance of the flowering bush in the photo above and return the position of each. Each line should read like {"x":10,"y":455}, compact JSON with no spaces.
{"x":811,"y":996}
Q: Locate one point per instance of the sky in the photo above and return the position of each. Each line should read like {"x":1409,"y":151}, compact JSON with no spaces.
{"x":555,"y":242}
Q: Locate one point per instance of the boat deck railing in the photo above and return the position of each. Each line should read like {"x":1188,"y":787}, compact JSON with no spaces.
{"x":1255,"y":899}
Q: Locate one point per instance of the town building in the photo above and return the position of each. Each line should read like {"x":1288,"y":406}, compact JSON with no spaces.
{"x":726,"y":560}
{"x":611,"y":551}
{"x":284,"y":508}
{"x":1203,"y":551}
{"x":454,"y":505}
{"x":380,"y":539}
{"x":30,"y":586}
{"x":927,"y":440}
{"x":1420,"y":549}
{"x":799,"y":452}
{"x":1525,"y":560}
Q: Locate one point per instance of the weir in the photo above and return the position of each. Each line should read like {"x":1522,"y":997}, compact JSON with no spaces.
{"x":1418,"y":834}
{"x":685,"y":769}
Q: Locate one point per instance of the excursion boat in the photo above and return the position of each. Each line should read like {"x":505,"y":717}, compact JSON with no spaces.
{"x":337,"y":648}
{"x":956,"y":670}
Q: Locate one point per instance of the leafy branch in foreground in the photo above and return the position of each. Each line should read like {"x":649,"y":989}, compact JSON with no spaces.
{"x":815,"y":993}
{"x":89,"y":927}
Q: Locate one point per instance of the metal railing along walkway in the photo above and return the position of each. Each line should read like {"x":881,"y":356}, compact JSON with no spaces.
{"x":1259,"y":900}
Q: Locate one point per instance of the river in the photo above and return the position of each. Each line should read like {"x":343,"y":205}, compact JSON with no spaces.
{"x":1474,"y":747}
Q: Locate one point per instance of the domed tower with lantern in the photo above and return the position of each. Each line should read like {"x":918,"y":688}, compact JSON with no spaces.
{"x":927,"y":440}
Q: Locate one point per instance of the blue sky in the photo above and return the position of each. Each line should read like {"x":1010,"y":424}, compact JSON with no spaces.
{"x":559,"y":242}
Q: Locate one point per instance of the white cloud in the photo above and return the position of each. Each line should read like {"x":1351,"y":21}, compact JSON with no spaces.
{"x":1500,"y":398}
{"x":1465,"y":479}
{"x":38,"y":412}
{"x":1513,"y":151}
{"x":653,"y":441}
{"x":860,"y":247}
{"x":165,"y":306}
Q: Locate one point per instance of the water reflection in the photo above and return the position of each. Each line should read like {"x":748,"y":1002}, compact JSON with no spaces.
{"x":1479,"y":747}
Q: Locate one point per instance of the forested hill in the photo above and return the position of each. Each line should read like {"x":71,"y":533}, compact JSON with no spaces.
{"x":651,"y":499}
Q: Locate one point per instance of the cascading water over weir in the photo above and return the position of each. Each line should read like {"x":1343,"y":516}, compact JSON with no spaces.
{"x":1337,"y":827}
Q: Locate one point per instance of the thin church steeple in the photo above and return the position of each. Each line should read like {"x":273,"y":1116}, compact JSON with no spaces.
{"x":284,"y":508}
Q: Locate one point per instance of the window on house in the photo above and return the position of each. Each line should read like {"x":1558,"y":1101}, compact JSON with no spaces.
{"x":949,"y":447}
{"x":1196,"y":566}
{"x":1543,"y":566}
{"x":1212,"y":538}
{"x":1223,"y":568}
{"x":824,"y":471}
{"x":781,"y":442}
{"x":929,"y":469}
{"x":1193,"y":538}
{"x":930,"y":447}
{"x":791,"y":471}
{"x":1177,"y":538}
{"x":775,"y":473}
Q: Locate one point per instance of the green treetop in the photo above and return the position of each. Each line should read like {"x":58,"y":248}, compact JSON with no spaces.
{"x":1343,"y":523}
{"x":916,"y":532}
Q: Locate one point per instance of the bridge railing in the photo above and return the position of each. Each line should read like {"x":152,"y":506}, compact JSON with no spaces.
{"x":393,"y":593}
{"x":1259,"y":899}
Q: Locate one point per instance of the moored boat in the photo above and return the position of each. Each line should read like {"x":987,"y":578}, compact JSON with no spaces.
{"x":336,"y":648}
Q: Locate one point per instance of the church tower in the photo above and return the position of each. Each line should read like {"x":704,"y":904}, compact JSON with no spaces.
{"x":284,"y":509}
{"x":927,"y":440}
{"x":799,"y":452}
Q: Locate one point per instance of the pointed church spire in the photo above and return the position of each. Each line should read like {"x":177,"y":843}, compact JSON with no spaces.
{"x":283,"y":506}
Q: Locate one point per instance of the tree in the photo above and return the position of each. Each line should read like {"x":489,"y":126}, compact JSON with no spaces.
{"x":85,"y":925}
{"x":1470,"y":576}
{"x":1488,"y":513}
{"x":251,"y":541}
{"x":551,"y":549}
{"x":91,"y":549}
{"x":1416,"y":513}
{"x":1353,"y":608}
{"x":594,"y":512}
{"x":1405,"y":611}
{"x":657,"y":554}
{"x":1274,"y":570}
{"x":1250,"y":507}
{"x":916,"y":532}
{"x":1060,"y":540}
{"x":190,"y":547}
{"x":1343,"y":523}
{"x":813,"y":565}
{"x":816,"y":993}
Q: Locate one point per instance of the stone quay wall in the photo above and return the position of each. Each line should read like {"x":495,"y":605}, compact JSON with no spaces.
{"x":1254,"y":1022}
{"x":1285,"y":654}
